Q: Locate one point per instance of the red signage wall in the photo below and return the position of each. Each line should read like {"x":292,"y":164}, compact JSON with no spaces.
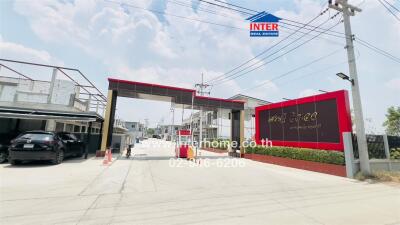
{"x":311,"y":122}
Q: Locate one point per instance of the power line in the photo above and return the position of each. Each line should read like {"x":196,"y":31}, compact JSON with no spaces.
{"x":199,"y":8}
{"x":263,"y":52}
{"x":238,"y":28}
{"x":226,"y":7}
{"x":254,"y":11}
{"x":388,"y":9}
{"x":231,"y":77}
{"x":368,"y":45}
{"x":391,"y":5}
{"x":302,"y":32}
{"x":296,"y":69}
{"x":331,"y":33}
{"x":315,"y":72}
{"x":377,"y":50}
{"x":173,"y":15}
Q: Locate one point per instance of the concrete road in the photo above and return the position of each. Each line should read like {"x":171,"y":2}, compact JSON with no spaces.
{"x":152,"y":189}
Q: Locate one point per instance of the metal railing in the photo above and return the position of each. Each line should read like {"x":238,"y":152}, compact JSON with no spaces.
{"x":93,"y":96}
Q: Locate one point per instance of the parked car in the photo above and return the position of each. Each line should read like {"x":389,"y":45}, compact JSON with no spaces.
{"x":156,"y":136}
{"x":42,"y":145}
{"x":5,"y":140}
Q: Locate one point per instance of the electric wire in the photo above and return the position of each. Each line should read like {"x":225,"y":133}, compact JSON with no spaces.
{"x":391,"y":5}
{"x":173,"y":15}
{"x":296,"y":69}
{"x":377,"y":50}
{"x":218,"y":78}
{"x":254,"y":11}
{"x":232,"y":76}
{"x":388,"y":9}
{"x":368,"y":45}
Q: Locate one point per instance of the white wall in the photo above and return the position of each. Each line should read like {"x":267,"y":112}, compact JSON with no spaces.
{"x":23,"y":90}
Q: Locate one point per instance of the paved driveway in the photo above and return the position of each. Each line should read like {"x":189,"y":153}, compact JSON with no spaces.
{"x":152,"y":189}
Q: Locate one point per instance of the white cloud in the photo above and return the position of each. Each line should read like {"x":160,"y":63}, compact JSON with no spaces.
{"x":308,"y":92}
{"x":12,"y":50}
{"x":139,"y":45}
{"x":394,"y":84}
{"x":15,"y":51}
{"x":266,"y":91}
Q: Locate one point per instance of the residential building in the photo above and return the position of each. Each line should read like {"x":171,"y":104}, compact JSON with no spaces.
{"x":217,"y":123}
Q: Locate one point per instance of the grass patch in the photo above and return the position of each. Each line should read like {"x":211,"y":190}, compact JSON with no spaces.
{"x":382,"y":176}
{"x":314,"y":155}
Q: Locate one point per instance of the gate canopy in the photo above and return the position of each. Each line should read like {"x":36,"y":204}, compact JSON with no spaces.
{"x":179,"y":96}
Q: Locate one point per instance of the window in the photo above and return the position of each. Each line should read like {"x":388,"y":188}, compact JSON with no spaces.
{"x":37,"y":136}
{"x":59,"y":126}
{"x":77,"y":129}
{"x":69,"y":127}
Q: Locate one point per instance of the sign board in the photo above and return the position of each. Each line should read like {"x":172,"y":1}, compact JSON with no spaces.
{"x":264,"y":24}
{"x":184,"y":132}
{"x":311,"y":122}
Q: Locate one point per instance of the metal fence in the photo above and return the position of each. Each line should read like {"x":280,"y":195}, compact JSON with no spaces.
{"x":376,"y":145}
{"x":393,"y":141}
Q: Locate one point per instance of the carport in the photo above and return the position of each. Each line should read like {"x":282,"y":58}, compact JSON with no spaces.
{"x":181,"y":97}
{"x":42,"y":114}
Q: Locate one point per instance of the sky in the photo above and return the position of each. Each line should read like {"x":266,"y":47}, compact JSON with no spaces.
{"x":121,"y":39}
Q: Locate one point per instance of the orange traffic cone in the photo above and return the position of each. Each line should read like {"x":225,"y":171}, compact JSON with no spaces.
{"x":105,"y":160}
{"x":109,"y":156}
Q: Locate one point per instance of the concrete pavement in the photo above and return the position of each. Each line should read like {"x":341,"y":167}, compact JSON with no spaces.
{"x":153,"y":189}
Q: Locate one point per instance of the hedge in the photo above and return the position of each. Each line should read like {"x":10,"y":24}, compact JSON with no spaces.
{"x":314,"y":155}
{"x":395,"y":153}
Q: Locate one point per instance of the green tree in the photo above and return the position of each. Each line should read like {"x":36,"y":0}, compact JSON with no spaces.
{"x":150,"y":131}
{"x":392,"y":122}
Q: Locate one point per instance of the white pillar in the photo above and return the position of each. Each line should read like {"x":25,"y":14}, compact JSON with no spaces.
{"x":89,"y":101}
{"x":201,"y":126}
{"x":387,"y":150}
{"x":349,"y":154}
{"x":52,"y":82}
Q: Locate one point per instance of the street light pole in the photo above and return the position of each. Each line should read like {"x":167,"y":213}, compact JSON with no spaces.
{"x":349,"y":10}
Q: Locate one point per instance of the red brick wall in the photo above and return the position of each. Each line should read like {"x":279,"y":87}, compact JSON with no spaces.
{"x":332,"y":169}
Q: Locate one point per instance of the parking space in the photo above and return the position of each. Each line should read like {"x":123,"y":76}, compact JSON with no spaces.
{"x":152,"y":188}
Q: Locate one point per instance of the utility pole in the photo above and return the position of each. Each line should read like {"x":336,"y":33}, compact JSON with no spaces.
{"x":202,"y":87}
{"x":349,"y":10}
{"x":173,"y":120}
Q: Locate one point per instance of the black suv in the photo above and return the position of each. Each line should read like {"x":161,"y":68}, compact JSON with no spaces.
{"x":5,"y":140}
{"x":42,"y":145}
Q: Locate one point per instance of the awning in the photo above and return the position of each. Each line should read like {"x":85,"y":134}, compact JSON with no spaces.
{"x":25,"y":113}
{"x":179,"y":96}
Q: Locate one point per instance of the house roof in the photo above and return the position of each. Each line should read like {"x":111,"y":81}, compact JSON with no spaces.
{"x":43,"y":114}
{"x":241,"y":96}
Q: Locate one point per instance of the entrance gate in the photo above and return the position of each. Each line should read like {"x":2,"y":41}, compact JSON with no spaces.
{"x":181,"y":97}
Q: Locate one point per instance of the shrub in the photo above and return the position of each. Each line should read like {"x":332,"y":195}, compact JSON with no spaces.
{"x":314,"y":155}
{"x":395,"y":153}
